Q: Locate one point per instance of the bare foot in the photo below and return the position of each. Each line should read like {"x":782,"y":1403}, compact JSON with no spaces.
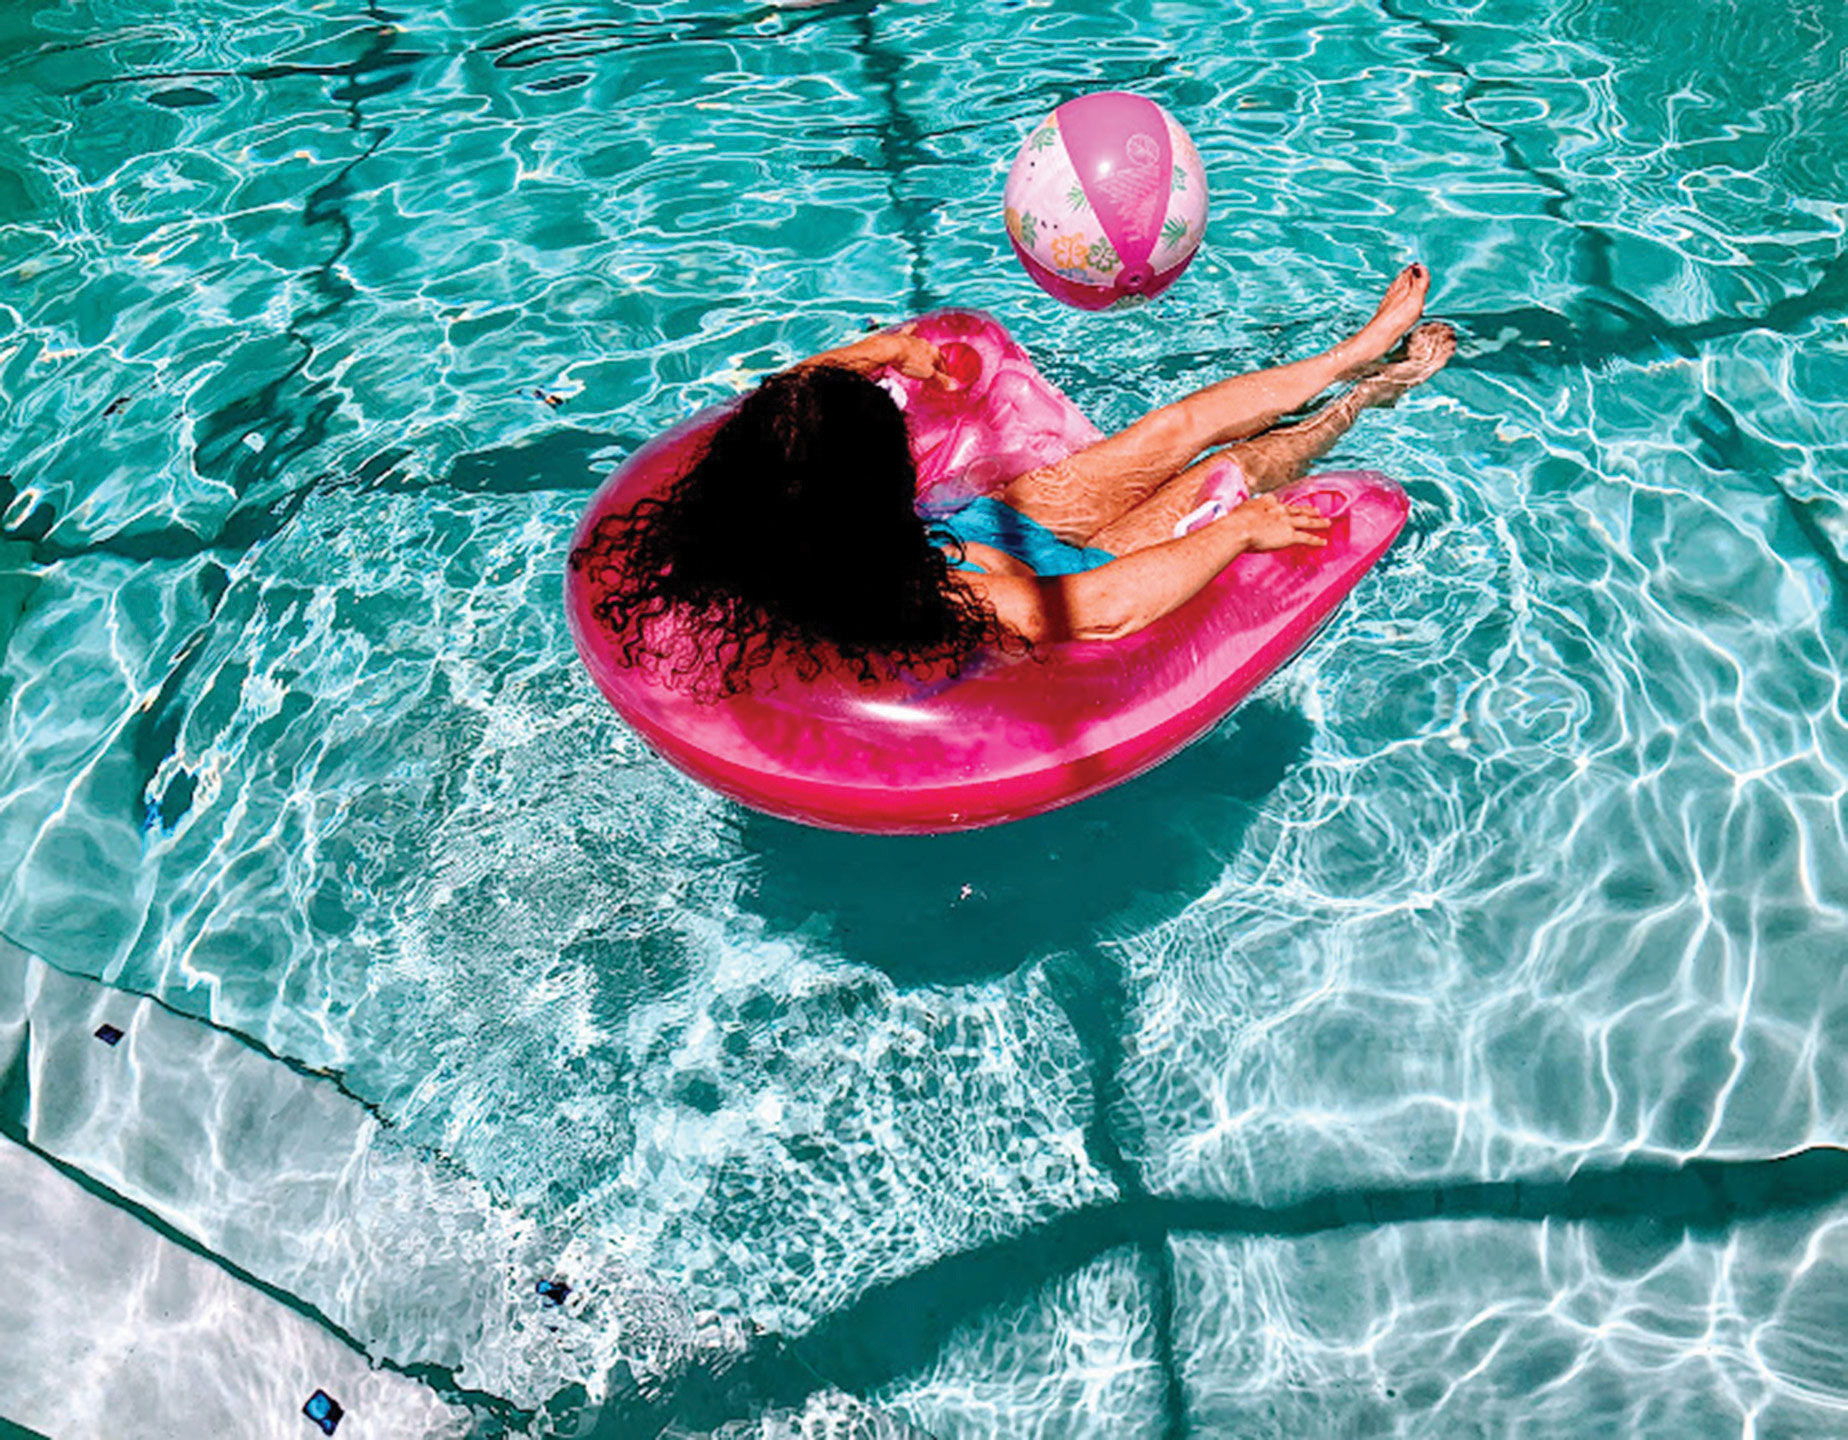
{"x":1399,"y":310}
{"x":1427,"y":350}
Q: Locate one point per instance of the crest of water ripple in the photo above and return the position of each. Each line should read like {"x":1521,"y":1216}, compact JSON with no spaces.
{"x":1534,"y":862}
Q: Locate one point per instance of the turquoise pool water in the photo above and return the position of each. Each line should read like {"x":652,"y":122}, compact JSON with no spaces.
{"x":1452,"y":1043}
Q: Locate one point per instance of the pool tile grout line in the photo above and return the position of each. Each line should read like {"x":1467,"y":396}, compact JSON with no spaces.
{"x":878,"y":1338}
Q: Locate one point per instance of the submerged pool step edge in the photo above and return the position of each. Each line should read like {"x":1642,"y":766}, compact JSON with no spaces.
{"x":108,"y":1328}
{"x":289,"y":1180}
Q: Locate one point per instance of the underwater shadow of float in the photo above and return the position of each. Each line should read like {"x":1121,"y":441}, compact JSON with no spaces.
{"x":949,"y":909}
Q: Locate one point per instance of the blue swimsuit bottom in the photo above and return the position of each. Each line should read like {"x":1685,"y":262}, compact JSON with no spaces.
{"x":987,"y":521}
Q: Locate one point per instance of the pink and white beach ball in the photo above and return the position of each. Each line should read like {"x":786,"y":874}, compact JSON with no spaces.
{"x":1106,"y":201}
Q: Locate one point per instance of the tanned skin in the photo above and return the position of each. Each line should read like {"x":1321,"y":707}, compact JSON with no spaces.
{"x":1126,"y":493}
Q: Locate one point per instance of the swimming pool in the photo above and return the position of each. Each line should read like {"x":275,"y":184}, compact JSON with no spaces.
{"x":1451,"y":1043}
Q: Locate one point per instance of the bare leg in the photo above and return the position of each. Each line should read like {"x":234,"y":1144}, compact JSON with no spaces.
{"x":1279,"y":456}
{"x":1086,"y":492}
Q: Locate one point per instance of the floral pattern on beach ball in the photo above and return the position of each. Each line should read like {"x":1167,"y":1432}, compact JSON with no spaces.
{"x":1106,"y":202}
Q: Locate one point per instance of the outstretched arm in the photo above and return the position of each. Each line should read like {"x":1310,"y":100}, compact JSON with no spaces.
{"x":898,"y":350}
{"x":1134,"y":591}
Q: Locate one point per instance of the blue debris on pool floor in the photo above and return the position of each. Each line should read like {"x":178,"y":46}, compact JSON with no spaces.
{"x":324,"y":1410}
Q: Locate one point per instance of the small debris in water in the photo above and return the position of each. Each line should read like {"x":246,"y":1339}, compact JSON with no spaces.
{"x":553,"y":1292}
{"x":324,"y":1410}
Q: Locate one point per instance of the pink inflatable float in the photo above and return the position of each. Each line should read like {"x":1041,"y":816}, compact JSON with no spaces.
{"x":1012,"y":736}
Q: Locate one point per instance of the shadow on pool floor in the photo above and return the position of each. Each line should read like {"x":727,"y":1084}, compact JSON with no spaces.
{"x":950,"y":909}
{"x":898,"y":1329}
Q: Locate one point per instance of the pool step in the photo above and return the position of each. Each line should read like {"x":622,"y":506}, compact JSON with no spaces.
{"x":107,"y":1328}
{"x":296,"y":1184}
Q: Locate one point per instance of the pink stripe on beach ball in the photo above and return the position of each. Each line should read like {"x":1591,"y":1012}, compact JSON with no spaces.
{"x":1118,"y":144}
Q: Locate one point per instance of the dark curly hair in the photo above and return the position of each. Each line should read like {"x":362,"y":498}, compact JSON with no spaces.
{"x":792,"y":538}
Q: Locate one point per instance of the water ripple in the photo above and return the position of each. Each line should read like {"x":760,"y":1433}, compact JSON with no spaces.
{"x":317,"y":328}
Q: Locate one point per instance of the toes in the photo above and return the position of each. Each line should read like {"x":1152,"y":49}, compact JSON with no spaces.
{"x":1432,"y":341}
{"x":1398,"y":312}
{"x":1405,"y":297}
{"x":1427,"y":350}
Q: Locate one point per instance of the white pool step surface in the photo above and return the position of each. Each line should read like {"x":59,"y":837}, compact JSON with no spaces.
{"x":296,"y":1184}
{"x":107,"y":1328}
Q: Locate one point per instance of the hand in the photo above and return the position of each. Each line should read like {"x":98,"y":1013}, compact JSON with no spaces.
{"x":915,"y":359}
{"x":1271,"y":524}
